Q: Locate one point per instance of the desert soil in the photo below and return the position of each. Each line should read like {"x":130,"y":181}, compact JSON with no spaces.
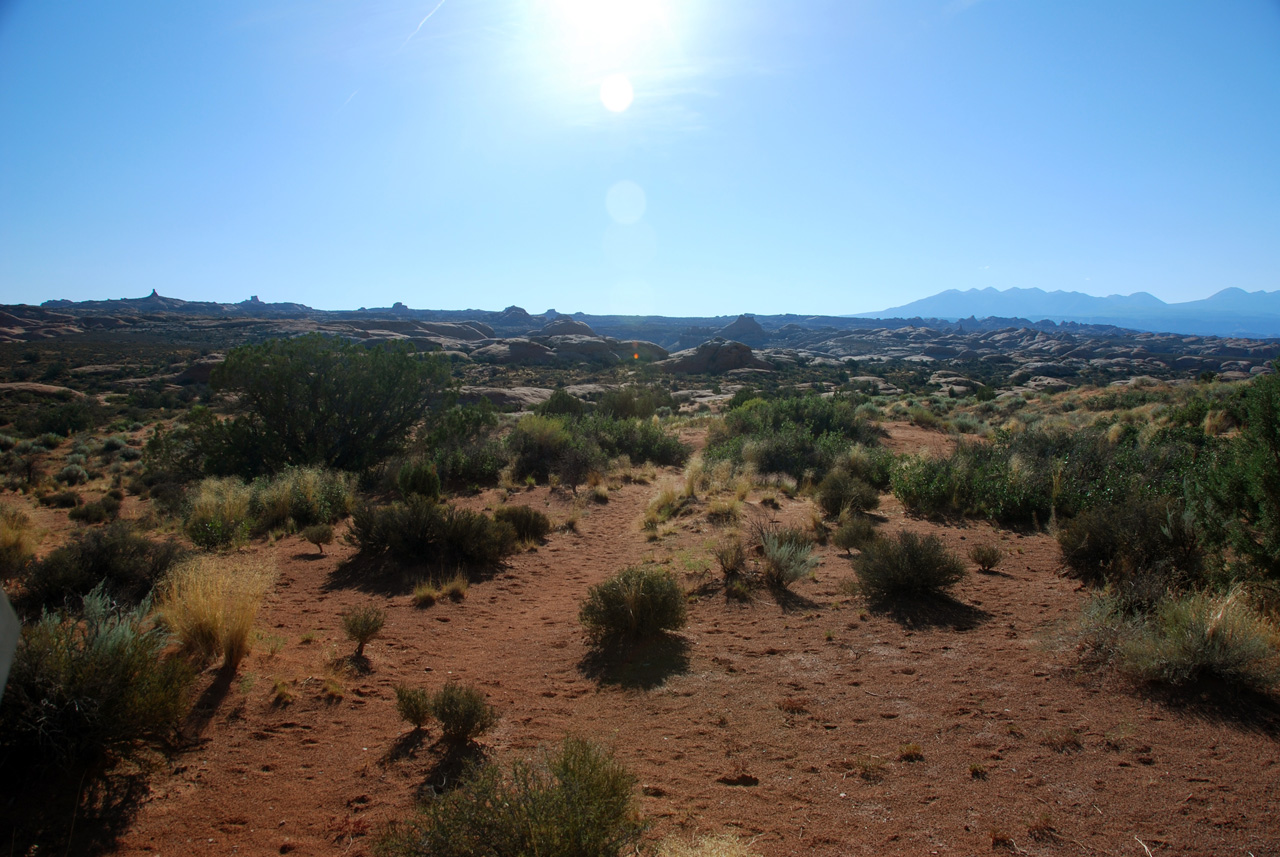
{"x":780,"y":720}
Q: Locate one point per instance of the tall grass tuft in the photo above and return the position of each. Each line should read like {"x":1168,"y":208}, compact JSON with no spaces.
{"x":217,"y":513}
{"x":210,"y":603}
{"x":17,"y":541}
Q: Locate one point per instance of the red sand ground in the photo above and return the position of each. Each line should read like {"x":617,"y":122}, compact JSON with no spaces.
{"x":809,"y":700}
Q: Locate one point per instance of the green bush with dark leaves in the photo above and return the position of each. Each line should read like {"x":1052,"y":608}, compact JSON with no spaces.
{"x":907,"y":566}
{"x":636,"y":603}
{"x":87,"y":686}
{"x":419,"y":530}
{"x":577,"y":801}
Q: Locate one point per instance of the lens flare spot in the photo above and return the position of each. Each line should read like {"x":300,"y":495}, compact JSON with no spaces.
{"x":626,"y":202}
{"x":616,"y":93}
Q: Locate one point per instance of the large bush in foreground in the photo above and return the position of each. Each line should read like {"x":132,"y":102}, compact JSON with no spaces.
{"x":575,"y":802}
{"x":82,"y":687}
{"x":637,"y":602}
{"x":907,"y":566}
{"x":318,"y":400}
{"x":1187,"y":639}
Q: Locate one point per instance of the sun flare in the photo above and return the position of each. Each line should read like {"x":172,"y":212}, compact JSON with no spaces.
{"x":610,"y":24}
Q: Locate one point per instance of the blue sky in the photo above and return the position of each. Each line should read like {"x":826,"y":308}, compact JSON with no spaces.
{"x":786,"y":156}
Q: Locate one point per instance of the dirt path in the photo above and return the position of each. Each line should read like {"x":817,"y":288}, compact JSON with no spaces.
{"x":785,"y":722}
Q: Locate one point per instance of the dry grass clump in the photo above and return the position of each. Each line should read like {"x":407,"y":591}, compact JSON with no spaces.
{"x":217,"y":513}
{"x":17,"y":541}
{"x":719,"y":845}
{"x":724,"y":512}
{"x":210,"y":603}
{"x":907,"y":566}
{"x":426,"y":593}
{"x":455,"y":588}
{"x":986,"y":556}
{"x":667,"y":505}
{"x":731,"y":555}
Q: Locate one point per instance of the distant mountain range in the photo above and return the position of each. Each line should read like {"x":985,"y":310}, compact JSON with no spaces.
{"x":1230,"y":312}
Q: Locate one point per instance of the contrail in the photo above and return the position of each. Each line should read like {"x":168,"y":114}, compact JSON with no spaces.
{"x":423,"y":21}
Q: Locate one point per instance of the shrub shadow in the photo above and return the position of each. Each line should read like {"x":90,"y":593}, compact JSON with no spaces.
{"x":384,"y":576}
{"x":207,"y":705}
{"x":1215,"y":701}
{"x":936,"y":611}
{"x":73,"y":812}
{"x":791,"y":602}
{"x":449,"y":767}
{"x":404,"y":747}
{"x":641,"y":665}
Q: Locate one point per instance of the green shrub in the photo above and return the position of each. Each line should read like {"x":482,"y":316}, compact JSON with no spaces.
{"x":86,"y":686}
{"x":786,"y":558}
{"x":462,"y":711}
{"x":362,"y":624}
{"x":636,"y":603}
{"x":528,"y":523}
{"x":423,"y":531}
{"x":641,"y":440}
{"x":576,"y":802}
{"x":1202,"y":636}
{"x":419,"y":477}
{"x":413,"y":704}
{"x":535,"y":444}
{"x":106,"y":508}
{"x":853,"y":531}
{"x":61,"y":500}
{"x":790,"y":435}
{"x":319,"y":535}
{"x":319,"y":400}
{"x":300,"y":497}
{"x":459,"y":440}
{"x":922,"y":483}
{"x":840,"y":490}
{"x":61,"y":419}
{"x":217,"y":513}
{"x":73,"y":474}
{"x":1110,"y":543}
{"x":986,"y":556}
{"x":635,"y":402}
{"x":561,"y":404}
{"x":907,"y":566}
{"x":127,"y":563}
{"x":1235,"y":490}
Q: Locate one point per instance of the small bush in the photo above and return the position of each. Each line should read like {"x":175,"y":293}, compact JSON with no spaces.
{"x":1109,"y":543}
{"x":853,"y":531}
{"x":529,"y":523}
{"x":986,"y":556}
{"x":413,"y":704}
{"x":636,"y":603}
{"x":786,"y":559}
{"x":87,"y":686}
{"x":61,"y":500}
{"x":576,"y":801}
{"x":319,"y":535}
{"x":73,"y":474}
{"x":840,"y":490}
{"x":106,"y":508}
{"x":362,"y":624}
{"x":210,"y":604}
{"x":17,"y":542}
{"x":907,"y":566}
{"x":217,"y":513}
{"x":731,"y":555}
{"x":128,"y":563}
{"x":462,"y":711}
{"x":1202,"y":636}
